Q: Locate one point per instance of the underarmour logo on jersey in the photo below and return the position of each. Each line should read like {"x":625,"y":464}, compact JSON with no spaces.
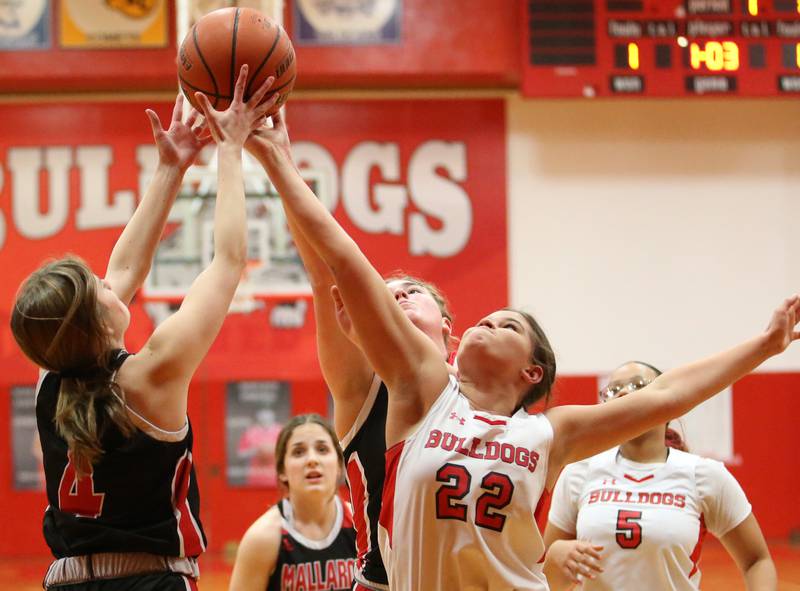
{"x":606,"y":482}
{"x":455,"y":417}
{"x":287,"y":545}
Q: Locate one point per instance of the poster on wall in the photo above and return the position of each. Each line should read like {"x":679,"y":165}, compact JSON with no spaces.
{"x":347,"y":22}
{"x":255,"y":413}
{"x":113,"y":24}
{"x":25,"y":447}
{"x":24,"y":25}
{"x":420,"y":185}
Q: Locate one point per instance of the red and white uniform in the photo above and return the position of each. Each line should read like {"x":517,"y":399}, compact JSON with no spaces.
{"x":460,"y":497}
{"x":650,"y":518}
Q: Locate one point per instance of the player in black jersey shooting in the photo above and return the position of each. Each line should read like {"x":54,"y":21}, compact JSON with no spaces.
{"x":123,"y":502}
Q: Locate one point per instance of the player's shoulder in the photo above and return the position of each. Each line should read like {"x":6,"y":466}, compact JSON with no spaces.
{"x":265,"y":532}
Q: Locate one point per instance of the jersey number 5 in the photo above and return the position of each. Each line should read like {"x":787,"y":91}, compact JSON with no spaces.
{"x":457,"y":480}
{"x":76,"y":495}
{"x":629,"y":530}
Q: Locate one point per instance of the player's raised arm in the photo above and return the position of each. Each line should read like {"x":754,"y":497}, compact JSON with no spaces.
{"x":582,"y":431}
{"x":409,"y":363}
{"x":178,"y":147}
{"x":176,"y":348}
{"x":344,"y":367}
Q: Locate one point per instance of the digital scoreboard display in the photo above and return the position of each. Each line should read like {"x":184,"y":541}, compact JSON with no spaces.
{"x":663,"y":48}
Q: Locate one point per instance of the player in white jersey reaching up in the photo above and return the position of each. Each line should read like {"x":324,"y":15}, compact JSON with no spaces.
{"x":359,"y":396}
{"x":635,"y":516}
{"x":467,"y":466}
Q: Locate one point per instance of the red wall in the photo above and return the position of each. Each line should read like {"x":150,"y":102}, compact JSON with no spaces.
{"x":444,"y":43}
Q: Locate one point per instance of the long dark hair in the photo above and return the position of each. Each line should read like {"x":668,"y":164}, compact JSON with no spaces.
{"x":58,"y":324}
{"x":542,"y":355}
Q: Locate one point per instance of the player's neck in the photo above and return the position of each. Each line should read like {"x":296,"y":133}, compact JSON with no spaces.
{"x":313,"y":517}
{"x":648,"y":448}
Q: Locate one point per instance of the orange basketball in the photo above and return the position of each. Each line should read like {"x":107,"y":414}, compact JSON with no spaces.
{"x":221,"y":42}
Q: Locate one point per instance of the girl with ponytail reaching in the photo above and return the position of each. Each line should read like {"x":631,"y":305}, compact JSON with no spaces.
{"x":466,"y":465}
{"x":634,"y":517}
{"x":116,"y":441}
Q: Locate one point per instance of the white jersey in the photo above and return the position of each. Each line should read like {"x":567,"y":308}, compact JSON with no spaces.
{"x":649,"y":518}
{"x":459,"y":500}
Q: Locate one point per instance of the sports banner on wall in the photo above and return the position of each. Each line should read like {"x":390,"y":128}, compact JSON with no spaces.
{"x":344,"y":22}
{"x":420,"y":186}
{"x":24,"y":25}
{"x":113,"y":23}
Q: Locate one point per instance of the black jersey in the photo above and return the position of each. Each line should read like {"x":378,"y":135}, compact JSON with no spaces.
{"x":141,"y":496}
{"x":327,"y":564}
{"x":364,"y":450}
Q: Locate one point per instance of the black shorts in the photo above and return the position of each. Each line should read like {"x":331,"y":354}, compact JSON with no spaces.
{"x":154,"y":582}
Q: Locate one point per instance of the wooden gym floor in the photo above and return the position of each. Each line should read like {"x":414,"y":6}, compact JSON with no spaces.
{"x":719,"y":572}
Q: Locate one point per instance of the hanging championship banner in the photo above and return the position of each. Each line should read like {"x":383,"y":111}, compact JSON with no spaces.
{"x":24,"y":25}
{"x":113,"y":23}
{"x":346,"y":22}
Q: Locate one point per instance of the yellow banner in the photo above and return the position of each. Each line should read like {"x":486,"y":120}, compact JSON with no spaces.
{"x":113,"y":23}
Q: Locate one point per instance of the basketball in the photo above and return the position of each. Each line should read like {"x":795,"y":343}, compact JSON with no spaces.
{"x":221,"y":42}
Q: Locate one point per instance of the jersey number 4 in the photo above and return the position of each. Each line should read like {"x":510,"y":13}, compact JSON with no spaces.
{"x":76,"y":494}
{"x":629,"y":530}
{"x":457,"y":480}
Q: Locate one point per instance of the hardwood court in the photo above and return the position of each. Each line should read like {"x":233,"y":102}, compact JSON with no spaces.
{"x":719,"y":572}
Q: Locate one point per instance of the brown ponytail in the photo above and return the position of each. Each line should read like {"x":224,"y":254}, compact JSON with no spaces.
{"x":58,"y":324}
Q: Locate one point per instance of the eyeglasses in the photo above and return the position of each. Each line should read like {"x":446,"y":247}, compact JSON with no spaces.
{"x":614,"y":390}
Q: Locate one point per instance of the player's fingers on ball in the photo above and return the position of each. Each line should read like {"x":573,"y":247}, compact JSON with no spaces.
{"x":264,"y":107}
{"x":262,"y":90}
{"x":205,"y":105}
{"x":241,"y":81}
{"x":177,"y":109}
{"x":192,"y":118}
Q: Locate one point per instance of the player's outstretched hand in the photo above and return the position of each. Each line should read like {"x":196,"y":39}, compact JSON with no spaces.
{"x":178,"y":145}
{"x":267,"y":137}
{"x":234,"y":124}
{"x":782,"y":329}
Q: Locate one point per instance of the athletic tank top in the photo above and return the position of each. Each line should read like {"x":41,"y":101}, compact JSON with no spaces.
{"x":305,"y":564}
{"x":460,"y":499}
{"x":141,"y":496}
{"x":651,"y":519}
{"x":364,"y":450}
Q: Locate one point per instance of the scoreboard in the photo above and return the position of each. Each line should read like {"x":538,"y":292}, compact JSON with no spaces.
{"x":662,"y":48}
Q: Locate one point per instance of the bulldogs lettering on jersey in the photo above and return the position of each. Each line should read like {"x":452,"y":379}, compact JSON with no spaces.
{"x":322,"y":565}
{"x":460,"y":497}
{"x":651,"y":519}
{"x":141,"y":496}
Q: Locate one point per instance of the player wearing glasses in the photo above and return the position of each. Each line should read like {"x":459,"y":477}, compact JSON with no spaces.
{"x":635,"y":516}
